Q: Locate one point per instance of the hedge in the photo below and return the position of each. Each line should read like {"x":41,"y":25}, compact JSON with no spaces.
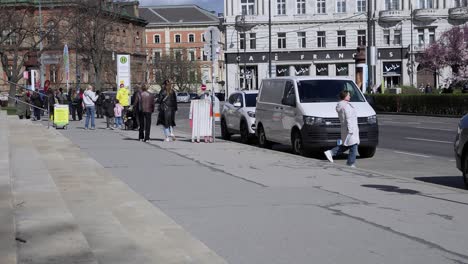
{"x":431,"y":104}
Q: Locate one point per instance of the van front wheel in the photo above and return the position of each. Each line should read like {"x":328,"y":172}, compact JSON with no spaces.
{"x":366,"y":152}
{"x":298,"y":144}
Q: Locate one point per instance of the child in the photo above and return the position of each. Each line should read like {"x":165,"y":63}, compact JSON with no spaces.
{"x":118,"y":114}
{"x":108,"y":107}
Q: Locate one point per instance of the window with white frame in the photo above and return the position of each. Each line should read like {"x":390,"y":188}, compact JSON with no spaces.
{"x":361,"y":6}
{"x":281,"y":40}
{"x":461,"y":3}
{"x":178,"y":54}
{"x":421,"y":37}
{"x":156,"y":56}
{"x":321,"y":6}
{"x":157,"y":39}
{"x":301,"y":40}
{"x":361,"y":37}
{"x":301,"y":7}
{"x":52,"y":35}
{"x":191,"y":55}
{"x":191,"y":38}
{"x":386,"y":37}
{"x":397,"y":37}
{"x":425,"y":4}
{"x":177,"y":38}
{"x":321,"y":39}
{"x":242,"y":41}
{"x":253,"y":40}
{"x":281,"y":7}
{"x":341,"y":6}
{"x":432,"y":37}
{"x":9,"y":37}
{"x":392,"y":4}
{"x":341,"y":38}
{"x":248,"y":7}
{"x":53,"y":73}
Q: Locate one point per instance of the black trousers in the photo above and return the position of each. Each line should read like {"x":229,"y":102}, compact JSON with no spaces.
{"x":37,"y":113}
{"x":76,"y":109}
{"x":145,"y":125}
{"x":99,"y":111}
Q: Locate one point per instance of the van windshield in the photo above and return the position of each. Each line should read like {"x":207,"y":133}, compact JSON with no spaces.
{"x":311,"y":91}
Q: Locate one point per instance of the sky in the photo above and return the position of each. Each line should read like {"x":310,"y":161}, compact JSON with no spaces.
{"x":215,"y":5}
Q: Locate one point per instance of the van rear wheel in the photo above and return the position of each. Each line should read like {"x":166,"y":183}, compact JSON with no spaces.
{"x":244,"y":132}
{"x":366,"y":152}
{"x":262,"y":140}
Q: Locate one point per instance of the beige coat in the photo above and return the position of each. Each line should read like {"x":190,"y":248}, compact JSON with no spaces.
{"x":349,"y":123}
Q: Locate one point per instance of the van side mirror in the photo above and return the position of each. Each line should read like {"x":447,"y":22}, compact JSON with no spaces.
{"x":237,"y":104}
{"x":290,"y":101}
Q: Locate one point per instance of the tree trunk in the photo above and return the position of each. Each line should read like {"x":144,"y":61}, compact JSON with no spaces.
{"x":12,"y":94}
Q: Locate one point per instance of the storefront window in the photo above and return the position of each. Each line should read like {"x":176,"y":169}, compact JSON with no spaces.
{"x":302,"y":70}
{"x":282,"y":70}
{"x":342,"y":69}
{"x":322,"y":69}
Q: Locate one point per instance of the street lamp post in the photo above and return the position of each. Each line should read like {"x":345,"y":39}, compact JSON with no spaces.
{"x":370,"y":44}
{"x":269,"y":38}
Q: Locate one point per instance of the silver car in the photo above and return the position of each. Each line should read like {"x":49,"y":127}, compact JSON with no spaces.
{"x":238,"y":115}
{"x":461,"y":148}
{"x":183,"y":97}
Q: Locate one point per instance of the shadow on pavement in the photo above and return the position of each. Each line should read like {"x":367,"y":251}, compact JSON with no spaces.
{"x":392,"y":189}
{"x":450,"y":181}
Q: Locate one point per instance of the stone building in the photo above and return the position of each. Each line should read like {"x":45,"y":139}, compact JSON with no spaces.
{"x":178,"y":30}
{"x":124,"y":35}
{"x":321,"y":37}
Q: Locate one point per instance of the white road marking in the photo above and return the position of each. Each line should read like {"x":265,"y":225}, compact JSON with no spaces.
{"x":404,"y":123}
{"x":441,"y":129}
{"x":429,"y":140}
{"x":412,"y":154}
{"x":452,"y":160}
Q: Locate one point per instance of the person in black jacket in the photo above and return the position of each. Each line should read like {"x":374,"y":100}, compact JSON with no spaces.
{"x":108,"y":109}
{"x":99,"y":104}
{"x":37,"y":102}
{"x":167,"y":109}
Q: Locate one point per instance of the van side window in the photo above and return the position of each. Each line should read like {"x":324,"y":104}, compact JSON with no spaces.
{"x":238,"y":99}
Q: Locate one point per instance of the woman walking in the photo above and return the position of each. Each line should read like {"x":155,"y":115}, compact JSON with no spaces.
{"x":349,"y":130}
{"x":167,"y":108}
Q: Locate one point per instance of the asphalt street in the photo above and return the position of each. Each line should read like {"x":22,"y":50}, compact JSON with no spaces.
{"x":416,"y":147}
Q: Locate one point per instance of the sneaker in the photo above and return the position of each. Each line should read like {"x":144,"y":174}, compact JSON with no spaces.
{"x":352,"y":166}
{"x":93,"y":128}
{"x":167,"y":140}
{"x":329,"y":155}
{"x":85,"y":128}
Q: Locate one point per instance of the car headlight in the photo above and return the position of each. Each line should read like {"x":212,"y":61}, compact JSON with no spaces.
{"x":312,"y":120}
{"x":251,"y":114}
{"x":372,"y":119}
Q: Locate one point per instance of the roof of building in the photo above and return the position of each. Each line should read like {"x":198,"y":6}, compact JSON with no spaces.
{"x":177,"y":15}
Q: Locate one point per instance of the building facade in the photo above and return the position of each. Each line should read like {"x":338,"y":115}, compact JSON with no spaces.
{"x":322,"y":37}
{"x":178,"y":31}
{"x":124,"y":35}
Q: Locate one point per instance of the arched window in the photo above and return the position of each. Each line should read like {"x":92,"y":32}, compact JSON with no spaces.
{"x":51,"y":33}
{"x":177,"y":38}
{"x":191,"y":38}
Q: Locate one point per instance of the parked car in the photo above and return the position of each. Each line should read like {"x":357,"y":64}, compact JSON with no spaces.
{"x":183,"y":97}
{"x":300,"y":112}
{"x":461,"y":148}
{"x":238,"y":115}
{"x":194,"y":96}
{"x":112,"y":95}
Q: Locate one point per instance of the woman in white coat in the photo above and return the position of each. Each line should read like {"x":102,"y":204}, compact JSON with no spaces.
{"x":349,"y":130}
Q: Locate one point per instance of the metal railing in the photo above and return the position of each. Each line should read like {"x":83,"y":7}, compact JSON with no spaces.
{"x":31,"y":105}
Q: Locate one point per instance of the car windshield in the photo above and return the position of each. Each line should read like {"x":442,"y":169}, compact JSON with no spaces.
{"x":251,"y":100}
{"x":327,"y":90}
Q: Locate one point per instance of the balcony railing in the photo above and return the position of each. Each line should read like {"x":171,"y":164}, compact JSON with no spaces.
{"x":429,"y":14}
{"x":393,"y":15}
{"x":459,"y":13}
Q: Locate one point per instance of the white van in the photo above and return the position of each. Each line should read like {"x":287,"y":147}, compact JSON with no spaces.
{"x":300,"y":111}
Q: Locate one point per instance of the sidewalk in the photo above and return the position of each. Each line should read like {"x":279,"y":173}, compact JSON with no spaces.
{"x":69,"y":209}
{"x":248,"y":205}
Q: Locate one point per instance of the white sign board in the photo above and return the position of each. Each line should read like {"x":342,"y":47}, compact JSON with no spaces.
{"x":212,"y":37}
{"x":123,"y":71}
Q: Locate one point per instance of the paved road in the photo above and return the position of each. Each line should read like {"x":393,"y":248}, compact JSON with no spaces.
{"x":410,"y":146}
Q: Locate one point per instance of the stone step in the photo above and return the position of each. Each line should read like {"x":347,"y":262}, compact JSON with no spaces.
{"x":119,"y":224}
{"x":7,"y":220}
{"x":48,"y":231}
